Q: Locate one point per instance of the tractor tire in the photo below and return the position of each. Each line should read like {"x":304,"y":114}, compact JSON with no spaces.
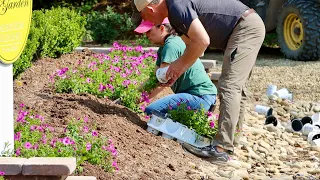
{"x":298,"y":30}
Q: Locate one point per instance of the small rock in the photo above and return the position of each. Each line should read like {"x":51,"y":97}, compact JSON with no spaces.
{"x":234,"y":163}
{"x":243,"y":173}
{"x":254,"y":155}
{"x":226,"y":174}
{"x":283,"y":151}
{"x":290,"y":141}
{"x":315,"y":148}
{"x":316,"y":108}
{"x":314,"y":171}
{"x":263,"y":150}
{"x":245,"y":165}
{"x":264,"y":144}
{"x":294,"y":114}
{"x":297,"y":165}
{"x":261,"y":169}
{"x":285,"y":170}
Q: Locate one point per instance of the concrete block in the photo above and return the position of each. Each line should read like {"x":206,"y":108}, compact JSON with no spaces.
{"x":81,"y":178}
{"x":49,"y":166}
{"x":208,"y":63}
{"x":11,"y":165}
{"x":215,"y":75}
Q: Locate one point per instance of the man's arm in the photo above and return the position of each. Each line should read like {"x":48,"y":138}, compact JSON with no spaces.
{"x":199,"y":41}
{"x":185,"y":39}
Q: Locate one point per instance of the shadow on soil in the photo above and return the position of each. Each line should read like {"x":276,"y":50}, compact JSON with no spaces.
{"x":97,"y":107}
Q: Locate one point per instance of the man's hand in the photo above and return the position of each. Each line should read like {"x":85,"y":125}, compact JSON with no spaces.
{"x":174,"y":72}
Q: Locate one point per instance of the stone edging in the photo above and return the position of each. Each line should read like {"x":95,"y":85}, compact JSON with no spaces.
{"x":45,"y":168}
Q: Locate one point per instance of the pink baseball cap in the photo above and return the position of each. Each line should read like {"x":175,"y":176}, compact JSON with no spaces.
{"x":145,"y":26}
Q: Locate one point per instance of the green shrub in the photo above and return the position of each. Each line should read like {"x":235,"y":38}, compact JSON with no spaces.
{"x":108,"y":26}
{"x":63,"y":31}
{"x":52,"y":33}
{"x":30,"y":50}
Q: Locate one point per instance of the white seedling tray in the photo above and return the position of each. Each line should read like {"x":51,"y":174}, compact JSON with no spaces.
{"x":171,"y":130}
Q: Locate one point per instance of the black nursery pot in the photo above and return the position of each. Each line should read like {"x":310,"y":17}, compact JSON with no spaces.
{"x":306,"y":120}
{"x":271,"y":120}
{"x":296,"y":124}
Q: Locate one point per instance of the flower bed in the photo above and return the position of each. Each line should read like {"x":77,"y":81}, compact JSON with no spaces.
{"x":116,"y":75}
{"x":34,"y":138}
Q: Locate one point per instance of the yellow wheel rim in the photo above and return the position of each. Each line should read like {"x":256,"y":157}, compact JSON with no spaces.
{"x":293,"y":31}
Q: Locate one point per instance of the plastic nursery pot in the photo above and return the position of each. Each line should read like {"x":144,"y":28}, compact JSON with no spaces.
{"x":271,"y":89}
{"x":296,"y":124}
{"x":314,"y":138}
{"x":271,"y":120}
{"x":306,"y":120}
{"x":161,"y":74}
{"x":167,"y":136}
{"x":263,"y":110}
{"x":152,"y":130}
{"x":308,"y":128}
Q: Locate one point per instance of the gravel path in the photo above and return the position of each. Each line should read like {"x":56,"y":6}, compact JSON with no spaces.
{"x":268,"y":151}
{"x":301,"y":78}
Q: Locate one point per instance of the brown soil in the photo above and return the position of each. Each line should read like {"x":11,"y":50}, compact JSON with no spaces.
{"x":141,"y":154}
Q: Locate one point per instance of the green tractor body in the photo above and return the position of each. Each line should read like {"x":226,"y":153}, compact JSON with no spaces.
{"x":297,"y":23}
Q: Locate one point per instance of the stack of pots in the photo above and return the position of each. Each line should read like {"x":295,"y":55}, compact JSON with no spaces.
{"x":306,"y":125}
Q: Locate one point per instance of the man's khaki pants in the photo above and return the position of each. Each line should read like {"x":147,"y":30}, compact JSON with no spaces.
{"x":239,"y":58}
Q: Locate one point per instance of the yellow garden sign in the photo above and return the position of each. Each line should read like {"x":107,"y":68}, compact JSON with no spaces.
{"x":15,"y":18}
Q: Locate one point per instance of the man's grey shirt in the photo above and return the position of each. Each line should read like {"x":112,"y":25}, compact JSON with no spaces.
{"x":218,"y":17}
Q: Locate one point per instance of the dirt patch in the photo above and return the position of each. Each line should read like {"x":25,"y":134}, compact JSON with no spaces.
{"x":141,"y":154}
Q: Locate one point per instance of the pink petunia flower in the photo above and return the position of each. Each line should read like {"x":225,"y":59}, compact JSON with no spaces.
{"x":17,"y":136}
{"x":85,"y":129}
{"x":2,"y":173}
{"x":94,"y":133}
{"x":35,"y":147}
{"x":115,"y":165}
{"x":53,"y":142}
{"x":88,"y":146}
{"x":28,"y":145}
{"x":102,"y":87}
{"x":18,"y":152}
{"x":211,"y":124}
{"x":66,"y":141}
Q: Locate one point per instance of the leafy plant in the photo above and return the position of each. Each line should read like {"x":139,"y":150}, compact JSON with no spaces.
{"x":63,"y":31}
{"x":34,"y":138}
{"x":114,"y":76}
{"x":203,"y":122}
{"x":152,"y":82}
{"x":108,"y":26}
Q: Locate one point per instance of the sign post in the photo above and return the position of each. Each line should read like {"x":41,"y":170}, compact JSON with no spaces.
{"x":15,"y":19}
